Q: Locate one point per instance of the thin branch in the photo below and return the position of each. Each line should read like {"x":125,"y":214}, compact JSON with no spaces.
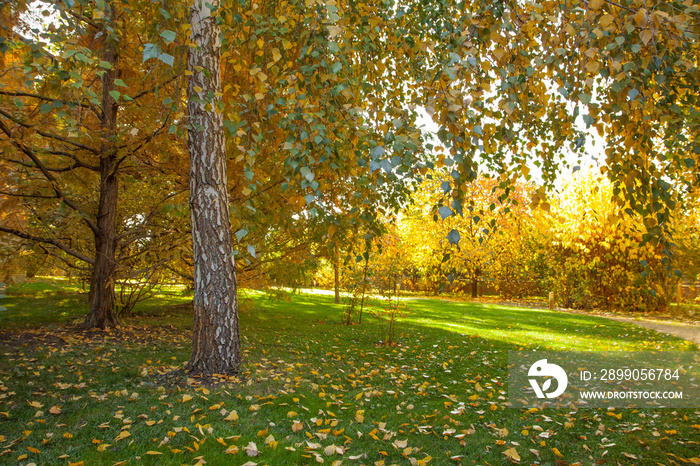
{"x":154,"y":88}
{"x":50,"y":241}
{"x":75,"y":165}
{"x":78,"y":162}
{"x":35,"y":196}
{"x":64,"y":260}
{"x":50,"y":99}
{"x":81,"y":17}
{"x":49,"y":135}
{"x":140,"y":228}
{"x":49,"y":177}
{"x":142,"y":143}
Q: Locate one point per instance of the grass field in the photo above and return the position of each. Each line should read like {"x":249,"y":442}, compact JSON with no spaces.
{"x":311,"y":390}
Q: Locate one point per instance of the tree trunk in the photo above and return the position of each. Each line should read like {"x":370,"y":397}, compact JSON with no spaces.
{"x":102,"y":283}
{"x":101,"y":297}
{"x":215,"y":339}
{"x":364,"y":285}
{"x":336,"y":275}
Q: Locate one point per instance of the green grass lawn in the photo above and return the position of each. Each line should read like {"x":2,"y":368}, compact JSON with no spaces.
{"x":311,"y":389}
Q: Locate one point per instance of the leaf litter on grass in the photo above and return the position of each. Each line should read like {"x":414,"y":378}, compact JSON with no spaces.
{"x":333,"y":396}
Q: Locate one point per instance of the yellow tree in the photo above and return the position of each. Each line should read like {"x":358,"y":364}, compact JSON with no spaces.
{"x":598,"y":259}
{"x":464,"y":244}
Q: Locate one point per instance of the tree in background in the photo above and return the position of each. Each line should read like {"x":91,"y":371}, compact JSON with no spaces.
{"x":80,"y":119}
{"x":597,"y":258}
{"x":480,"y":241}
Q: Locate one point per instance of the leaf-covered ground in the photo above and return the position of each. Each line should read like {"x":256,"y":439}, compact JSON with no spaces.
{"x":314,"y":391}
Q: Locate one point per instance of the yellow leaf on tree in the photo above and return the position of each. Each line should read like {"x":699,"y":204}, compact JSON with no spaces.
{"x":606,"y":20}
{"x":640,"y":18}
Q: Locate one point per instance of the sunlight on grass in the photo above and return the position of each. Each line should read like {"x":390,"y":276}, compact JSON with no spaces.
{"x":309,"y":384}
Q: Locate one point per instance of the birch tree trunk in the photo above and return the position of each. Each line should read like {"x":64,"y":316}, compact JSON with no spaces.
{"x":215,"y":339}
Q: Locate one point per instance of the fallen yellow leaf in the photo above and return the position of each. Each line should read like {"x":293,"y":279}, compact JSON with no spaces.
{"x":360,"y":416}
{"x":122,"y":435}
{"x":512,"y":454}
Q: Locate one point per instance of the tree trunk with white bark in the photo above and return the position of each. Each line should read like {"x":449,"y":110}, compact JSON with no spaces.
{"x":215,"y":339}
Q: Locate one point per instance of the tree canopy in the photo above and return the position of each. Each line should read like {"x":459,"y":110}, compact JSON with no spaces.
{"x":320,"y":105}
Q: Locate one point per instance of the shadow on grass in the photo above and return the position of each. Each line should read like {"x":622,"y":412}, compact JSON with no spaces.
{"x":54,"y":302}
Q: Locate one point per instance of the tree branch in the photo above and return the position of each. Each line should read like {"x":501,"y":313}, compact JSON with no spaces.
{"x":35,"y":196}
{"x":49,"y":177}
{"x":50,"y":99}
{"x":154,"y":88}
{"x":49,"y":135}
{"x":50,"y":241}
{"x":62,"y":259}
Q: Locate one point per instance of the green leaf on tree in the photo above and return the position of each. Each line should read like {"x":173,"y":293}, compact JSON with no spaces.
{"x":150,"y":51}
{"x":168,"y":36}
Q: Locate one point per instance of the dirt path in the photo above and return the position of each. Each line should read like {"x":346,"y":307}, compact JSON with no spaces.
{"x":690,"y":332}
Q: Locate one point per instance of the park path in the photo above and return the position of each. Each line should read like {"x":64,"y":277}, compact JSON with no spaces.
{"x":690,"y":332}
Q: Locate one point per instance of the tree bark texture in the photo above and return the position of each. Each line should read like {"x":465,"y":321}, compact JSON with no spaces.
{"x":102,"y":297}
{"x":215,"y":339}
{"x":336,"y":274}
